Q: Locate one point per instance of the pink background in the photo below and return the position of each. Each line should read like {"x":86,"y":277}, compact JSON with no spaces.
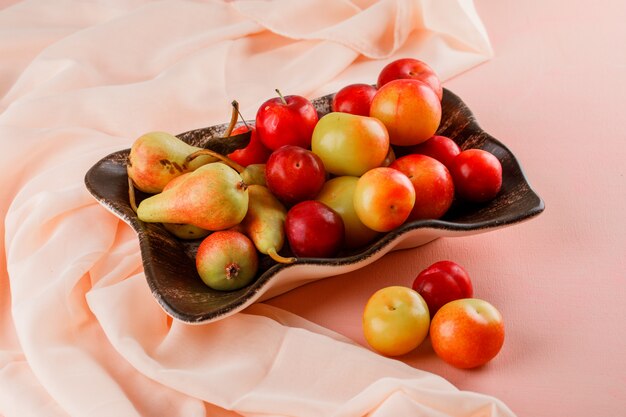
{"x":554,"y":95}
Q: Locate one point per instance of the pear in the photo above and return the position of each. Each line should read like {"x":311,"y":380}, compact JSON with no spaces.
{"x":213,"y":197}
{"x":176,"y":180}
{"x":181,"y":230}
{"x":226,"y":260}
{"x":158,"y":157}
{"x":264,"y":223}
{"x":254,"y":174}
{"x":186,"y":231}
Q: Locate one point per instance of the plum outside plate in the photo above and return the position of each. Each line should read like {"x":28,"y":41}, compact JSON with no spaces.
{"x":169,"y":263}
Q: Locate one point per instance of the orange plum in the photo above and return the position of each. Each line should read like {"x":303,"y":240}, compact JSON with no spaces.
{"x":467,"y":333}
{"x":383,"y":198}
{"x":434,"y":188}
{"x":409,"y":109}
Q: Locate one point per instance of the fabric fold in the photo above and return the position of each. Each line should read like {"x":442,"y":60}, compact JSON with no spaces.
{"x":81,"y":333}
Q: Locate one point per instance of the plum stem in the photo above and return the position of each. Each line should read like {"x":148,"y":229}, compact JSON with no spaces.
{"x":234,"y":165}
{"x":281,"y":96}
{"x":236,"y":106}
{"x":280,"y":259}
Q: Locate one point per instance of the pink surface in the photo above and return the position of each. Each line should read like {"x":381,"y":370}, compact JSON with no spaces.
{"x":554,"y":95}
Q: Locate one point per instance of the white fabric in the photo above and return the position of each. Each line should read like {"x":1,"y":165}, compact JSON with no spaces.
{"x":80,"y":333}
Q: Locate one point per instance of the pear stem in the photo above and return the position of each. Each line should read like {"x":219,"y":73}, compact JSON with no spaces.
{"x":131,"y":195}
{"x":280,"y":259}
{"x":233,"y":118}
{"x":234,"y":165}
{"x":240,"y":115}
{"x":281,"y":96}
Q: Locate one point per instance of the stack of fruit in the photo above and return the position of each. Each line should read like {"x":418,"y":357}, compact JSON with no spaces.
{"x":465,"y":332}
{"x":322,"y":185}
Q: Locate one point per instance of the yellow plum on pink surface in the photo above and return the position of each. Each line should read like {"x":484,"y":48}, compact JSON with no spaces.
{"x":395,"y":320}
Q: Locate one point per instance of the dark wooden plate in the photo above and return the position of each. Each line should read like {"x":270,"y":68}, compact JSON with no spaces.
{"x":169,"y":262}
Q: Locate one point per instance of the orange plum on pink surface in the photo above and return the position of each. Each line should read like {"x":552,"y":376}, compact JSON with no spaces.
{"x":467,"y":333}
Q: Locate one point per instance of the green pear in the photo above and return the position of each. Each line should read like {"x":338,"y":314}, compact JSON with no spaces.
{"x":264,"y":223}
{"x":213,"y":197}
{"x":158,"y":157}
{"x":254,"y":174}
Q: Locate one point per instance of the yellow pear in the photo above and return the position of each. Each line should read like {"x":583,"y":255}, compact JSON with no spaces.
{"x":264,"y":223}
{"x":180,"y":230}
{"x":213,"y":197}
{"x":157,"y":157}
